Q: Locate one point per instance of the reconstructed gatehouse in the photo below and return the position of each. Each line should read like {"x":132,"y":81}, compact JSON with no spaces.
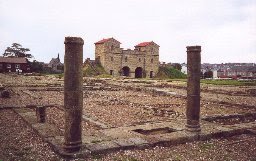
{"x":142,"y":62}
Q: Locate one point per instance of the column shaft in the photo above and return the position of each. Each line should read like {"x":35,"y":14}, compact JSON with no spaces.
{"x":193,"y":88}
{"x":73,"y":93}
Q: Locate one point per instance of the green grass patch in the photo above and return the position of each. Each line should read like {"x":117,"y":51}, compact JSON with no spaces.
{"x":169,"y":73}
{"x":103,"y":76}
{"x":179,"y":80}
{"x":59,"y":75}
{"x":221,"y":82}
{"x":206,"y":146}
{"x":229,"y":82}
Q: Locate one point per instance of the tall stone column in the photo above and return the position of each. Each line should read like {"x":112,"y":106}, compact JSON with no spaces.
{"x":193,"y":88}
{"x":73,"y":93}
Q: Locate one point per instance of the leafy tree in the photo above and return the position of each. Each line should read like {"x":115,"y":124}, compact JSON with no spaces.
{"x":177,"y":66}
{"x":36,"y":66}
{"x":16,"y":50}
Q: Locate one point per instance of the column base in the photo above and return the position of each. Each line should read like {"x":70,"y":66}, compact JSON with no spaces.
{"x":193,"y":128}
{"x":72,"y":147}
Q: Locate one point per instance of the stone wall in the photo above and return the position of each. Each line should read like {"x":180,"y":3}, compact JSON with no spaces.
{"x":113,"y":58}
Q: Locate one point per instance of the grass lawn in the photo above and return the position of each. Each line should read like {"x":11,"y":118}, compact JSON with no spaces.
{"x":229,"y":82}
{"x":221,"y":82}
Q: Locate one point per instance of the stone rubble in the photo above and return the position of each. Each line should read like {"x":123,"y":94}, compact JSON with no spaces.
{"x":115,"y":104}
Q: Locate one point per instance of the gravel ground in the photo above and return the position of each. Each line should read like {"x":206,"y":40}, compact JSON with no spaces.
{"x":208,"y":92}
{"x":56,"y":116}
{"x":20,"y":142}
{"x":234,"y":148}
{"x":129,"y":107}
{"x":119,"y":108}
{"x":21,"y":96}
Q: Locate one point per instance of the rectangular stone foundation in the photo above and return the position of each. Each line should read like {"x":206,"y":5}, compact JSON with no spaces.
{"x":128,"y":138}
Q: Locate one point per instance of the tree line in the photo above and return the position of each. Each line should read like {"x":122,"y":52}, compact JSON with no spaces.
{"x":17,"y":50}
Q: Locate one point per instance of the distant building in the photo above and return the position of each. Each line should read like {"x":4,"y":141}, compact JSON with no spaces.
{"x":14,"y":64}
{"x":214,"y":74}
{"x":55,"y":65}
{"x":241,"y":71}
{"x":184,"y":69}
{"x":220,"y":73}
{"x":162,"y":64}
{"x":89,"y":61}
{"x":231,"y":70}
{"x":143,"y":61}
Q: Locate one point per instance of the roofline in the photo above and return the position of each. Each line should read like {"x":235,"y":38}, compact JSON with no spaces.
{"x":105,"y":40}
{"x":13,"y":60}
{"x":149,"y":42}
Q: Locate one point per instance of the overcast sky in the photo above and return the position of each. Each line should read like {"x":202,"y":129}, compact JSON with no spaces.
{"x":226,"y":29}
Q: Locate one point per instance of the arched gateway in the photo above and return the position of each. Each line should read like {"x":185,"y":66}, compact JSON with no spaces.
{"x":138,"y":72}
{"x":126,"y":71}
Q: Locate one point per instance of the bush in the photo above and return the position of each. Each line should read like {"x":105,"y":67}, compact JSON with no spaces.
{"x":170,"y":72}
{"x":90,"y":70}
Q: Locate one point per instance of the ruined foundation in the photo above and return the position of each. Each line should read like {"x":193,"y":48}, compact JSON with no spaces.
{"x":193,"y":88}
{"x":73,"y":93}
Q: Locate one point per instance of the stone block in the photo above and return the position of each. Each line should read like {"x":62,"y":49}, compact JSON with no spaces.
{"x":46,"y":130}
{"x":137,"y":141}
{"x":102,"y":147}
{"x":125,"y":143}
{"x":30,"y":117}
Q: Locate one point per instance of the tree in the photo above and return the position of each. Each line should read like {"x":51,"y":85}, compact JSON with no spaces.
{"x":177,"y":66}
{"x":36,"y":66}
{"x":16,"y":50}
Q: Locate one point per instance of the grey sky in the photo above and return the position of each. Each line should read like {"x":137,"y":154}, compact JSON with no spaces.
{"x":226,"y":29}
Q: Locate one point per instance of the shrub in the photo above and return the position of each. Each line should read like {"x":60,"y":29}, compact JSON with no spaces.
{"x":170,"y":72}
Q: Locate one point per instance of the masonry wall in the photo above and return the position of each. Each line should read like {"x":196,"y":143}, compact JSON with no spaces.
{"x":113,"y":58}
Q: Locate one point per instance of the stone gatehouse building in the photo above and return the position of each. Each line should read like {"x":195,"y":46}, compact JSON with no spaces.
{"x":142,"y":62}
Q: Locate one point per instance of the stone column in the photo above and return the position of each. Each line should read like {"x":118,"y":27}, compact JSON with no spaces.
{"x":193,"y":88}
{"x":40,"y":114}
{"x":73,"y":93}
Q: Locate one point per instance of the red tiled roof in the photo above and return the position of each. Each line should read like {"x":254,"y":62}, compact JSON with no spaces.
{"x":13,"y":60}
{"x":102,"y":41}
{"x":105,"y":40}
{"x":143,"y":44}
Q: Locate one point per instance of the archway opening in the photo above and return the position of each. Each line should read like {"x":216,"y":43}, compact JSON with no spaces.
{"x":151,"y":74}
{"x":126,"y":71}
{"x":138,"y":72}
